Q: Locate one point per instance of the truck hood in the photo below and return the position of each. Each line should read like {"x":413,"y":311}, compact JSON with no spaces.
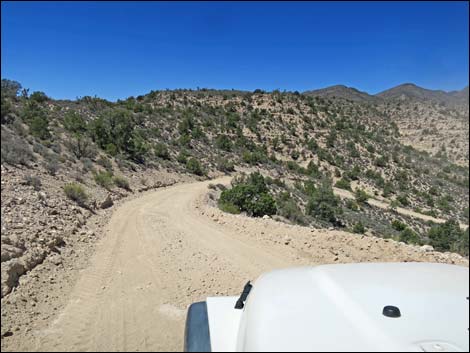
{"x":341,"y":308}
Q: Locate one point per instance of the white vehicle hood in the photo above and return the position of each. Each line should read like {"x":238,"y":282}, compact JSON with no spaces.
{"x":340,"y":308}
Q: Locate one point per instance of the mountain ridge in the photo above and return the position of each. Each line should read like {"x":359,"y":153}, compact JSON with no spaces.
{"x":405,"y":91}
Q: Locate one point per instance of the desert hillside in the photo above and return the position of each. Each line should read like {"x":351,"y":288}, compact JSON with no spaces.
{"x":306,"y":178}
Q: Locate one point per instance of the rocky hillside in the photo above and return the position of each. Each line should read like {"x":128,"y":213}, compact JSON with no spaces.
{"x":436,"y":129}
{"x":429,"y":120}
{"x":63,"y":161}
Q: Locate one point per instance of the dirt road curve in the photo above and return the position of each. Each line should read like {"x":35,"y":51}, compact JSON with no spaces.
{"x":158,"y":256}
{"x":169,"y":248}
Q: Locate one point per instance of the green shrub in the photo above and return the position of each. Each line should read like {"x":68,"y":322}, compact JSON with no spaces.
{"x":370,"y":148}
{"x":403,"y":200}
{"x":75,"y":123}
{"x":229,"y":207}
{"x":449,"y":237}
{"x":6,"y":110}
{"x":111,"y":149}
{"x":14,"y":150}
{"x":105,"y":163}
{"x":38,"y":96}
{"x":293,"y":166}
{"x":295,"y":155}
{"x":361,"y":196}
{"x":193,"y":166}
{"x":33,"y":181}
{"x":352,"y":205}
{"x":223,"y":142}
{"x":122,"y":182}
{"x":76,"y":193}
{"x":381,"y":161}
{"x":359,"y":228}
{"x":387,"y":189}
{"x":250,"y":195}
{"x":162,"y":151}
{"x":313,"y":170}
{"x":182,"y":156}
{"x":397,"y":225}
{"x":323,"y":203}
{"x":87,"y":165}
{"x":288,"y":208}
{"x":343,"y":184}
{"x":104,"y":179}
{"x":39,"y":127}
{"x":312,"y":145}
{"x":51,"y":164}
{"x":185,"y":140}
{"x":225,"y":165}
{"x":137,"y":148}
{"x":443,"y":203}
{"x":254,"y":158}
{"x":353,"y":173}
{"x":409,"y":237}
{"x":376,"y":177}
{"x":353,"y":152}
{"x":10,"y":88}
{"x":81,"y":146}
{"x":465,"y":213}
{"x":114,"y":130}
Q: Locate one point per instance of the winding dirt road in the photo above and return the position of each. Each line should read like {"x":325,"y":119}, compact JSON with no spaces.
{"x":158,"y":256}
{"x":169,"y":248}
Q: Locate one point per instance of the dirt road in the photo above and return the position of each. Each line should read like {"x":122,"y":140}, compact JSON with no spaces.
{"x":158,"y":257}
{"x":384,"y":205}
{"x":167,"y":249}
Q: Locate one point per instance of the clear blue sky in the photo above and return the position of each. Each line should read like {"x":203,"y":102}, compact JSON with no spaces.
{"x":119,"y":49}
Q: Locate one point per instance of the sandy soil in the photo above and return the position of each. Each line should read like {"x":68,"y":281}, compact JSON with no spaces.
{"x":164,"y":250}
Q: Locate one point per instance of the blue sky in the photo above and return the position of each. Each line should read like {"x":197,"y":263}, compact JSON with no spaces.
{"x":119,"y":49}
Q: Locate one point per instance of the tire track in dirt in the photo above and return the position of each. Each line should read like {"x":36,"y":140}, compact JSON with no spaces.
{"x":167,"y":249}
{"x":156,"y":258}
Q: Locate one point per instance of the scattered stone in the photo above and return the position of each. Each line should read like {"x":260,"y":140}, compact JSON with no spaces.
{"x":56,"y":260}
{"x":107,"y":203}
{"x":427,"y":248}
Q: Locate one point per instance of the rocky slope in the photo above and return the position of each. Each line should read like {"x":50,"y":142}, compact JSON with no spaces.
{"x":65,"y":163}
{"x":434,"y":121}
{"x":160,"y":252}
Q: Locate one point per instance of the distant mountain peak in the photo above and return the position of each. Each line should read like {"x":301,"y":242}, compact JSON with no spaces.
{"x":410,"y":91}
{"x":342,"y":91}
{"x":404,"y":91}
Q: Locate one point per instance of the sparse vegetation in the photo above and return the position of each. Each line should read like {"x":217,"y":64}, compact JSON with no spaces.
{"x":302,"y":139}
{"x":343,"y":184}
{"x":104,"y":179}
{"x":193,"y":166}
{"x":75,"y":192}
{"x":121,"y":182}
{"x":359,"y":228}
{"x":361,"y":196}
{"x":162,"y":151}
{"x":33,"y":181}
{"x":14,"y":151}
